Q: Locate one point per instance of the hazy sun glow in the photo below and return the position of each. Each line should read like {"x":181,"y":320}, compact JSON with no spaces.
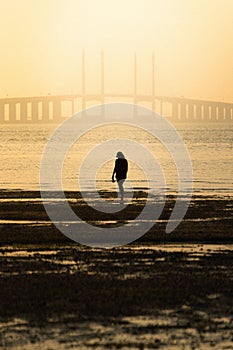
{"x":42,"y":41}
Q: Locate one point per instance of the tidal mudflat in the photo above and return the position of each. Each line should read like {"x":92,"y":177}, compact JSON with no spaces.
{"x":161,"y":292}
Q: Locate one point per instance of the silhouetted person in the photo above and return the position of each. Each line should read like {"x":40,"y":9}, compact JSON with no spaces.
{"x":120,"y":169}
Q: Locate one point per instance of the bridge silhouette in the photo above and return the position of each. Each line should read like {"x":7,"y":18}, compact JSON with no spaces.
{"x":50,"y":109}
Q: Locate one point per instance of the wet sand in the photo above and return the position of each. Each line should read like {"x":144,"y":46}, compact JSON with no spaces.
{"x":24,"y":220}
{"x":163,"y":292}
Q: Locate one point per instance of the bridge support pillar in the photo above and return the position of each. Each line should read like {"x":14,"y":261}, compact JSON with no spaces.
{"x":191,"y":111}
{"x":220,"y":112}
{"x":213,"y":112}
{"x":161,"y":107}
{"x":56,"y":110}
{"x":23,"y":112}
{"x":175,"y":110}
{"x":198,"y":111}
{"x":206,"y":114}
{"x":12,"y":112}
{"x":35,"y":111}
{"x":73,"y":107}
{"x":183,"y":115}
{"x":227,"y":113}
{"x":83,"y":103}
{"x":153,"y":106}
{"x":2,"y":112}
{"x":45,"y":111}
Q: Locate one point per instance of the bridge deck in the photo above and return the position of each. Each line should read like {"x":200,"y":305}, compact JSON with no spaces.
{"x":50,"y":108}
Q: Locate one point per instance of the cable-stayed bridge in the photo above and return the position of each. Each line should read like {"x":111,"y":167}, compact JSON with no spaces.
{"x":48,"y":109}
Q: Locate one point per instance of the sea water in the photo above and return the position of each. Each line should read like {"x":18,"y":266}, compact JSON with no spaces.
{"x":210,"y":146}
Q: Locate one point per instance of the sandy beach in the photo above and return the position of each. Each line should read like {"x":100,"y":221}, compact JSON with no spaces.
{"x":161,"y":292}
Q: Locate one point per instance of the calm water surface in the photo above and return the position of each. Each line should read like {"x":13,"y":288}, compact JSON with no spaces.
{"x":210,"y":147}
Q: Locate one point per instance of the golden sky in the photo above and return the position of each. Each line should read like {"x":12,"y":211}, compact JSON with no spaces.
{"x":41,"y":45}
